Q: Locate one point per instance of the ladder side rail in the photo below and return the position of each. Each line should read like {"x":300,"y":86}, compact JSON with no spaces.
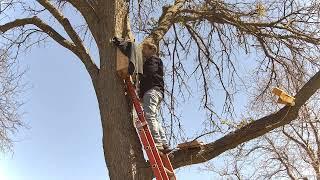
{"x":145,"y":135}
{"x":155,"y":168}
{"x":156,"y":153}
{"x":167,"y":163}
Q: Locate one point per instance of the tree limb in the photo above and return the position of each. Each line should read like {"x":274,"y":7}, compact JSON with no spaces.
{"x":88,"y":11}
{"x":248,"y":132}
{"x":84,"y":54}
{"x":41,"y":25}
{"x":92,"y":68}
{"x":165,"y":21}
{"x":64,"y":22}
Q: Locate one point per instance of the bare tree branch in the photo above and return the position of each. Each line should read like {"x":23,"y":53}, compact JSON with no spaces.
{"x":64,"y":22}
{"x":166,"y":20}
{"x":81,"y":50}
{"x":88,"y":10}
{"x":91,"y":67}
{"x":10,"y":88}
{"x":41,"y":25}
{"x":250,"y":131}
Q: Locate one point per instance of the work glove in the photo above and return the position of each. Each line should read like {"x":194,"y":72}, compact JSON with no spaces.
{"x":115,"y":40}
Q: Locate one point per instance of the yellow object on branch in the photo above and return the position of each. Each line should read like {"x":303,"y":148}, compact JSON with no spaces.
{"x":284,"y":98}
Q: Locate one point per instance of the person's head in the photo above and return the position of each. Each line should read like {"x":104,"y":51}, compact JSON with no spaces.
{"x":148,"y":49}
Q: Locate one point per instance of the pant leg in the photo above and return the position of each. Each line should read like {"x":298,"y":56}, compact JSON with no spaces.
{"x":150,"y":105}
{"x":162,"y":134}
{"x":161,"y":130}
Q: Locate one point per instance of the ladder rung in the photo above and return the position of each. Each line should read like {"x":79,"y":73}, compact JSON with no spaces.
{"x":161,"y":166}
{"x":139,"y":125}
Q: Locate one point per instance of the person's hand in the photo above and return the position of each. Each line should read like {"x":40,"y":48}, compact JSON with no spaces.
{"x":115,"y":40}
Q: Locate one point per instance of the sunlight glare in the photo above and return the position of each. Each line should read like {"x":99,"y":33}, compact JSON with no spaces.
{"x":2,"y":174}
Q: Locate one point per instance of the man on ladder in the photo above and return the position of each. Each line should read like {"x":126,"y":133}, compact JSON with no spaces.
{"x":151,"y":86}
{"x":150,"y":131}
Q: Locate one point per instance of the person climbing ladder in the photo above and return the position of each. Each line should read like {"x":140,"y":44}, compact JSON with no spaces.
{"x":146,"y":62}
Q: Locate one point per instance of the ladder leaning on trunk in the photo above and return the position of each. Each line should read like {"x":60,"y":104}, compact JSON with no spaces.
{"x":159,"y":162}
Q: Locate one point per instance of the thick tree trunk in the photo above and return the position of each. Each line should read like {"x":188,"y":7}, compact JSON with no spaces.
{"x":122,"y":149}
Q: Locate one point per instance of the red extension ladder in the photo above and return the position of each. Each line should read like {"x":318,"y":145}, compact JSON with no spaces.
{"x":160,"y":164}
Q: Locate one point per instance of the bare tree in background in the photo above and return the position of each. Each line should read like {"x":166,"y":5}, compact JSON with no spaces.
{"x":10,"y":88}
{"x":203,"y":40}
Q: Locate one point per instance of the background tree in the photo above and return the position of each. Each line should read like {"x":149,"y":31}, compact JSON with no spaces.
{"x":283,"y":37}
{"x":10,"y":88}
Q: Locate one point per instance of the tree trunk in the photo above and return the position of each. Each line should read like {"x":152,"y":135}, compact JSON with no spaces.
{"x":122,"y":149}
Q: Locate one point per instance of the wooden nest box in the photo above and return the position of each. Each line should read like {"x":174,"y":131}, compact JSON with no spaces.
{"x":122,"y":64}
{"x":284,"y":98}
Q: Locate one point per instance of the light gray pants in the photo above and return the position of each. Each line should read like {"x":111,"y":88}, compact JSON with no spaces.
{"x":151,"y":105}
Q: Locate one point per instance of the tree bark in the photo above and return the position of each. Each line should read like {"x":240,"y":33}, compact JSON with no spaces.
{"x":122,"y":149}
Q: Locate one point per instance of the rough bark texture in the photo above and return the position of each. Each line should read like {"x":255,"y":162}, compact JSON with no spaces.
{"x":122,"y":149}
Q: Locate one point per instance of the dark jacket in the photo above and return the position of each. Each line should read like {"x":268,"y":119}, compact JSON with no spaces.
{"x":152,"y":69}
{"x":152,"y":75}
